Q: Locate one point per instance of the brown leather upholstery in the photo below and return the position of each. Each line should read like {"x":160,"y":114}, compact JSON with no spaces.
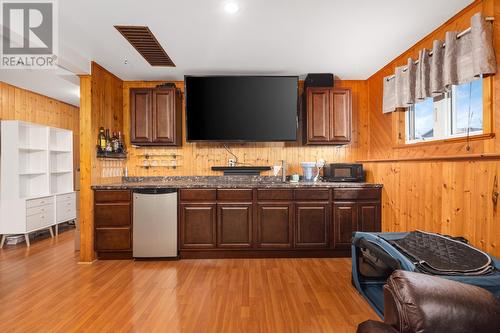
{"x":371,"y":326}
{"x":423,"y":303}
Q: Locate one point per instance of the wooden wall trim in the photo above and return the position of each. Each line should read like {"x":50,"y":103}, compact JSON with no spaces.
{"x":101,"y":99}
{"x":86,"y":160}
{"x":471,"y":157}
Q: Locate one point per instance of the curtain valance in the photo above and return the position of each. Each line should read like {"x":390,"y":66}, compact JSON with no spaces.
{"x":458,"y":60}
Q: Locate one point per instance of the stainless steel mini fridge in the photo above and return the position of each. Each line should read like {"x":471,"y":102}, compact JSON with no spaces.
{"x":155,"y":223}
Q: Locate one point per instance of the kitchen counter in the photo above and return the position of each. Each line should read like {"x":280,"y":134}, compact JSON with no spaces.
{"x":222,"y":182}
{"x":243,"y":217}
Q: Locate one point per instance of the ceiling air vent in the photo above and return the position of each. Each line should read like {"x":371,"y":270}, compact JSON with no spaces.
{"x":143,"y":40}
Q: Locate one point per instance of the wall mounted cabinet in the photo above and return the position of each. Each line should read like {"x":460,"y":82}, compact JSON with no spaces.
{"x":155,"y":117}
{"x":327,"y":114}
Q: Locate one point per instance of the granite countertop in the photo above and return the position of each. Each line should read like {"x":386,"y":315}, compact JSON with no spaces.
{"x":220,"y":182}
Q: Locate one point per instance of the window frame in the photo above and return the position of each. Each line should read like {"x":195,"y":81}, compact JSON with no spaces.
{"x":443,"y":121}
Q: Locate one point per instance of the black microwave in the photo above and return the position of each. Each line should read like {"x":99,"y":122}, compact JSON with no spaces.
{"x":343,"y":172}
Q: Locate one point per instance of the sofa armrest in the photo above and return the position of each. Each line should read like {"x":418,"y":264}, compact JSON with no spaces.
{"x":416,"y":302}
{"x":371,"y":326}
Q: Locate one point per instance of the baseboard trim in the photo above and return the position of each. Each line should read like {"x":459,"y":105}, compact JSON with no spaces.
{"x":221,"y":254}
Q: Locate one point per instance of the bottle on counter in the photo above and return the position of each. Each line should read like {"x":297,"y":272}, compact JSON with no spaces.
{"x":108,"y":141}
{"x":121,"y":143}
{"x":115,"y":145}
{"x":101,"y":140}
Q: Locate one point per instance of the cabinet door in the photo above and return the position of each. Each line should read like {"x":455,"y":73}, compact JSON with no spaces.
{"x":345,"y":221}
{"x":340,"y":118}
{"x":164,"y":116}
{"x":274,"y":225}
{"x":234,"y":225}
{"x":312,"y":225}
{"x":197,"y":224}
{"x":369,"y":216}
{"x":141,"y":116}
{"x":318,"y":114}
{"x":113,"y":239}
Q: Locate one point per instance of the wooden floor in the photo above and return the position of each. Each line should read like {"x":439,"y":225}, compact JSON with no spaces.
{"x":43,"y":289}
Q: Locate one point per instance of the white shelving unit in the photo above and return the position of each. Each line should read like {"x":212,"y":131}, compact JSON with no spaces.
{"x":36,"y":178}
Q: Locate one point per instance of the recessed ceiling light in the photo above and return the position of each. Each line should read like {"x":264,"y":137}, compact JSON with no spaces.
{"x":231,"y":7}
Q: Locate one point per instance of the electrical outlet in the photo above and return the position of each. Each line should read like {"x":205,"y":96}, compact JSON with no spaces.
{"x":232,"y":162}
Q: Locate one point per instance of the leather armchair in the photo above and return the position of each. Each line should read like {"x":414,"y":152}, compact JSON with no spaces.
{"x":423,"y":303}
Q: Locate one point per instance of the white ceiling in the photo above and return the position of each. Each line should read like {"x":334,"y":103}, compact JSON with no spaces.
{"x":352,"y":39}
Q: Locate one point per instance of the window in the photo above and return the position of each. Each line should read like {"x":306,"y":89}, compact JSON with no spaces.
{"x":457,"y":113}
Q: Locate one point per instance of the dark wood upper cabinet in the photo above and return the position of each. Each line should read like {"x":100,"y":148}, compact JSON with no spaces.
{"x":140,"y":116}
{"x":155,"y":117}
{"x":327,"y":119}
{"x":318,"y":115}
{"x":340,"y":118}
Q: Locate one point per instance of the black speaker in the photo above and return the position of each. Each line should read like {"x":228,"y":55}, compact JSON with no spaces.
{"x":319,"y":80}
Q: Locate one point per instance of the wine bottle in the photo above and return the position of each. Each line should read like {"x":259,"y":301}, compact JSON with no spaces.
{"x":114,"y":143}
{"x":101,"y":140}
{"x":121,"y":145}
{"x":108,"y":141}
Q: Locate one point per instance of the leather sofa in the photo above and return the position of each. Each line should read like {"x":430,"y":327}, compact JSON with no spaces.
{"x":423,"y":303}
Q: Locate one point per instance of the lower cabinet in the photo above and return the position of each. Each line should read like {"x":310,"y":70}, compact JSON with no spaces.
{"x":198,"y":225}
{"x":234,"y":225}
{"x":345,"y":221}
{"x":274,"y":225}
{"x":248,"y":222}
{"x":349,"y":217}
{"x":369,"y":216}
{"x":113,"y":224}
{"x":312,"y":225}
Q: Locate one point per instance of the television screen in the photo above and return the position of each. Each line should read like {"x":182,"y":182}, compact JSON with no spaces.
{"x":241,"y":108}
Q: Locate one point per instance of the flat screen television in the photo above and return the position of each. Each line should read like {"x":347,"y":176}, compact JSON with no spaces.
{"x":241,"y":108}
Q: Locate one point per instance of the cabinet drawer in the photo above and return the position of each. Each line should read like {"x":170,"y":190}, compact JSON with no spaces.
{"x":274,"y":194}
{"x":234,"y":195}
{"x":356,"y":194}
{"x":39,"y":202}
{"x":66,"y":197}
{"x":65,"y":210}
{"x":112,"y":196}
{"x":312,"y":194}
{"x":198,"y":195}
{"x":113,"y":239}
{"x":39,"y":210}
{"x":117,"y":214}
{"x":40,"y":220}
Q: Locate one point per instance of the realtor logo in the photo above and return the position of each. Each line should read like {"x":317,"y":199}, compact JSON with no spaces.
{"x":29,"y":34}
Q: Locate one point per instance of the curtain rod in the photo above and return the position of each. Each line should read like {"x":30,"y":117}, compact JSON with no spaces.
{"x":461,"y":34}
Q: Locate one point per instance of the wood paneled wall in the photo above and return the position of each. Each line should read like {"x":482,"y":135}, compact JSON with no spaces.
{"x":101,"y":104}
{"x":198,"y":158}
{"x":433,"y":192}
